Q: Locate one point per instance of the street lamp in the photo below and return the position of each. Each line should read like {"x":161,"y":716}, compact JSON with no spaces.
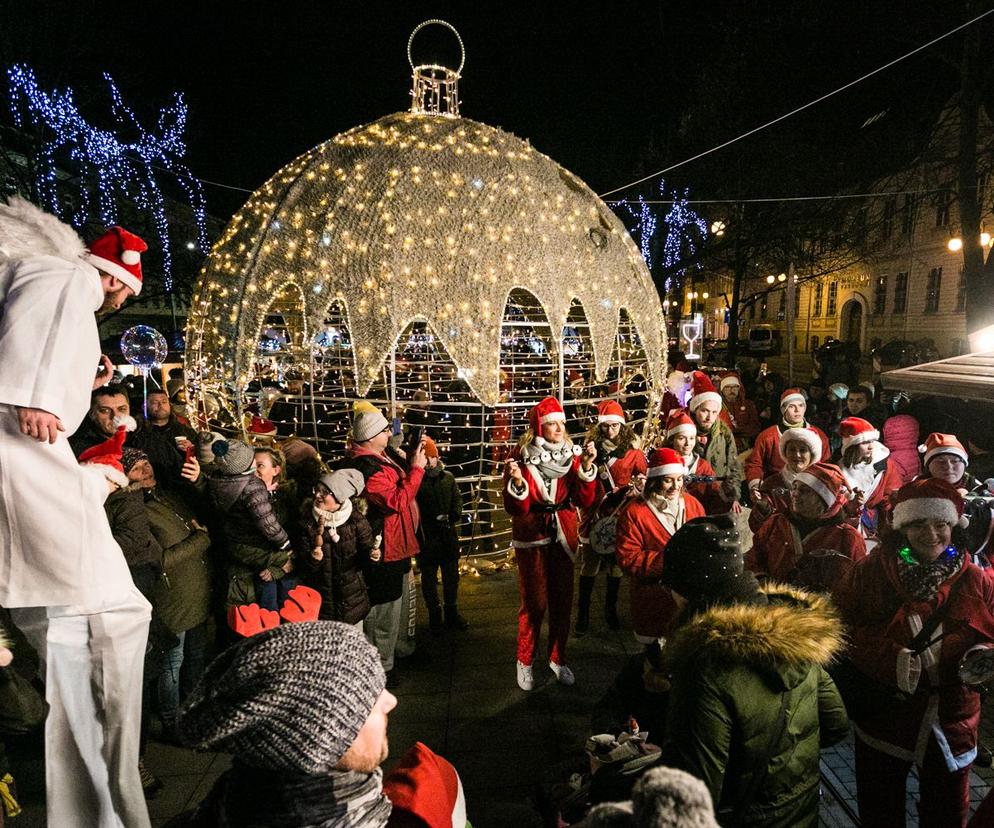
{"x":782,"y":277}
{"x":718,"y":228}
{"x":955,"y":244}
{"x":770,"y":279}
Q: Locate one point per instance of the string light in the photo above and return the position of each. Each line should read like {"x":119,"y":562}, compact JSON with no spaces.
{"x":109,"y":166}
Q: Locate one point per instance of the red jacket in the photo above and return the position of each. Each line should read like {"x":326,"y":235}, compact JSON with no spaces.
{"x":744,"y":420}
{"x":709,"y":494}
{"x":778,"y":547}
{"x":615,"y":474}
{"x":776,"y":491}
{"x":391,"y":493}
{"x":641,"y":540}
{"x":765,"y":458}
{"x":532,"y":524}
{"x":883,"y":619}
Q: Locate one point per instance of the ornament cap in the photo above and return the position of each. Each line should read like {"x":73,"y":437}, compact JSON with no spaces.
{"x":435,"y":87}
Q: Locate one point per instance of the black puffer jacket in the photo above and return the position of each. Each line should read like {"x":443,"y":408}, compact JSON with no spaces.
{"x":129,"y":525}
{"x":247,"y":515}
{"x":338,"y":575}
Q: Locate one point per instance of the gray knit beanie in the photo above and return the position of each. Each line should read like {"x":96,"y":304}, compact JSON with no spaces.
{"x":292,"y":698}
{"x":344,"y":483}
{"x":368,"y":424}
{"x":232,"y":457}
{"x":662,"y":798}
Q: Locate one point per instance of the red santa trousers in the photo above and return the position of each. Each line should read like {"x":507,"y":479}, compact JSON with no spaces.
{"x":881,"y":789}
{"x":545,"y":580}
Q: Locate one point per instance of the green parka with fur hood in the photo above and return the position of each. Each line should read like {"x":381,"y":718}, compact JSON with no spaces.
{"x":729,"y":667}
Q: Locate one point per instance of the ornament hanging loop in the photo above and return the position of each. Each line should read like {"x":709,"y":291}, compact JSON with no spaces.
{"x":435,"y":88}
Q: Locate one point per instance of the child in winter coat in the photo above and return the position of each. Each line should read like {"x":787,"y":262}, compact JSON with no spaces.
{"x":256,"y":544}
{"x":335,"y":543}
{"x":900,"y":435}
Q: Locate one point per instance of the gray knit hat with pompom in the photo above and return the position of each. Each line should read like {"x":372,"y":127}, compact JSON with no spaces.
{"x":662,"y":798}
{"x":292,"y":698}
{"x":232,"y":457}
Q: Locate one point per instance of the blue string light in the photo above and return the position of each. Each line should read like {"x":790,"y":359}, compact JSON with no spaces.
{"x":109,"y":166}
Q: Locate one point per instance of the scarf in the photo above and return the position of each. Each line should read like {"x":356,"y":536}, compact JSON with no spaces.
{"x":248,"y":797}
{"x":802,"y":424}
{"x":553,"y":460}
{"x":924,"y":579}
{"x":332,"y":520}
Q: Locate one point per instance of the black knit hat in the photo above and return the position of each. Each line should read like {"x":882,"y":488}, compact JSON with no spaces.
{"x":705,"y":564}
{"x":292,"y":698}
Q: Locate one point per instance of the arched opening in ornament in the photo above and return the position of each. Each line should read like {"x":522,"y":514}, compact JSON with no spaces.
{"x":628,"y":377}
{"x":580,"y":394}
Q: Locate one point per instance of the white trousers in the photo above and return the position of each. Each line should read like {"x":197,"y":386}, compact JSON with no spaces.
{"x":93,"y":659}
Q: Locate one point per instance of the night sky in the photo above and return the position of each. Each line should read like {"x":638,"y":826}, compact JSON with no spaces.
{"x":611,"y":90}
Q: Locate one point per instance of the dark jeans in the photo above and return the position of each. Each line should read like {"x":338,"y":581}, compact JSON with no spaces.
{"x":182,"y":667}
{"x":429,"y":582}
{"x":271,"y":595}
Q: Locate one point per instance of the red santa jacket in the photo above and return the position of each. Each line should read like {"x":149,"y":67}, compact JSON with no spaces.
{"x":643,"y":533}
{"x":778,"y":547}
{"x":709,"y":494}
{"x":776,"y":496}
{"x":744,"y":420}
{"x":546,"y":512}
{"x":765,"y":458}
{"x":614,"y":473}
{"x":883,"y":619}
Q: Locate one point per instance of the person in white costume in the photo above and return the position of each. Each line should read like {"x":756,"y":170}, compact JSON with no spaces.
{"x":61,"y":573}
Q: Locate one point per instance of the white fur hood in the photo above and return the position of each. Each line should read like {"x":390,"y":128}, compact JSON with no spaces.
{"x":27,"y":230}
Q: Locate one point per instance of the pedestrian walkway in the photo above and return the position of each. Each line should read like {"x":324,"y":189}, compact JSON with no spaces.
{"x":459,"y":697}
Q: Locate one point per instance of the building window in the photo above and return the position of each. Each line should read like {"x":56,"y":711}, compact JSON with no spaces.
{"x":908,"y":214}
{"x":816,"y":305}
{"x":932,"y":292}
{"x":961,"y":291}
{"x":959,"y":347}
{"x":880,"y":296}
{"x":814,"y":343}
{"x":887,"y":222}
{"x":901,"y":293}
{"x":833,"y":295}
{"x":942,"y":202}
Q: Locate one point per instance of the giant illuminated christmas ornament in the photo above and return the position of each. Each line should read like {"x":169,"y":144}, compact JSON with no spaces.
{"x":442,"y":268}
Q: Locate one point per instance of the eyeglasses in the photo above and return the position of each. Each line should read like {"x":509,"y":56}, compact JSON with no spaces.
{"x":320,"y":491}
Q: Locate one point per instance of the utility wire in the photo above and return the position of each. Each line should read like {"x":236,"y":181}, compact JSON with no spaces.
{"x":801,"y":108}
{"x":783,"y":198}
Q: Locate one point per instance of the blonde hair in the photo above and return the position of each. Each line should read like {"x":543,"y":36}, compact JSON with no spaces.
{"x":277,"y":459}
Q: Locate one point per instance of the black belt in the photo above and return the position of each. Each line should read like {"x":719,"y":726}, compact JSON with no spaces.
{"x":549,"y":507}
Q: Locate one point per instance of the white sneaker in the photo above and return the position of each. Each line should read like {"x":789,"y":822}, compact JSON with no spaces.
{"x":563,"y":674}
{"x":525,"y":679}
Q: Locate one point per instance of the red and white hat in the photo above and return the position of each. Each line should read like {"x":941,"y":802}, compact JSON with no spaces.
{"x":937,"y":443}
{"x":928,"y":499}
{"x":427,"y":788}
{"x":118,"y":253}
{"x":574,"y":378}
{"x":679,"y":422}
{"x":702,"y":391}
{"x":610,"y":411}
{"x":791,"y":395}
{"x":107,"y":455}
{"x":827,"y":480}
{"x":546,"y":411}
{"x":729,"y":378}
{"x":803,"y":435}
{"x":856,"y":430}
{"x":261,"y":427}
{"x":664,"y":461}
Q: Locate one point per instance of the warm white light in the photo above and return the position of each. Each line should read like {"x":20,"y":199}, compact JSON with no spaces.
{"x":770,"y":279}
{"x":718,"y":228}
{"x":705,"y":295}
{"x":985,"y":238}
{"x":191,"y":245}
{"x":955,"y":243}
{"x":782,"y":277}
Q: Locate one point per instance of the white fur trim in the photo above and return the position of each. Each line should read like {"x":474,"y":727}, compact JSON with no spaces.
{"x":27,"y":230}
{"x":856,"y":439}
{"x":112,"y":474}
{"x":552,"y":417}
{"x":126,"y":420}
{"x":586,"y":476}
{"x":114,"y":269}
{"x":611,"y":418}
{"x":947,"y":450}
{"x":791,"y":398}
{"x":667,"y":468}
{"x":729,"y":381}
{"x":813,"y":482}
{"x":707,"y":396}
{"x":514,"y":492}
{"x":909,"y":670}
{"x":926,"y":508}
{"x":804,"y":435}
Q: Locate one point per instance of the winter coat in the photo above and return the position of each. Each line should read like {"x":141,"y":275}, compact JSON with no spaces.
{"x":900,"y":435}
{"x":782,"y":543}
{"x":614,"y":471}
{"x":640,"y":544}
{"x":159,"y":443}
{"x":744,"y":419}
{"x":253,"y":537}
{"x":338,"y":576}
{"x":718,"y":448}
{"x":130,"y":527}
{"x":533,"y":523}
{"x":765,"y":458}
{"x":776,"y":495}
{"x":709,"y":494}
{"x":182,"y":596}
{"x":882,"y":619}
{"x":730,"y":667}
{"x":440,"y":504}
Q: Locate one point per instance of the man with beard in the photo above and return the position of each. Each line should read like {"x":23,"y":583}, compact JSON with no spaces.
{"x":61,"y":572}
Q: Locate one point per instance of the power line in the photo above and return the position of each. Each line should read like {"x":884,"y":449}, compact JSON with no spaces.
{"x":801,"y":108}
{"x":770,"y":199}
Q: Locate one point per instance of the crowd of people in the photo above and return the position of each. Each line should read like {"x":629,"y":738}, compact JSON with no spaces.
{"x":266,"y":594}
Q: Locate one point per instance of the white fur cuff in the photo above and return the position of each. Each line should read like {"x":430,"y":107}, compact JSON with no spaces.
{"x":517,"y":494}
{"x":586,"y":476}
{"x":909,"y":671}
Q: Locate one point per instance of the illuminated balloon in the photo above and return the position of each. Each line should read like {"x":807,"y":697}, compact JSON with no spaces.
{"x":144,"y":347}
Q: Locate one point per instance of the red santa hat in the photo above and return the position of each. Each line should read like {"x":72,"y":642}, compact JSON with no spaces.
{"x":546,"y":411}
{"x":664,"y":461}
{"x":791,"y":395}
{"x":804,"y":435}
{"x":856,"y":430}
{"x":574,"y":378}
{"x":118,"y":253}
{"x":702,"y":391}
{"x":610,"y":411}
{"x":928,"y":499}
{"x":937,"y":443}
{"x":679,"y":422}
{"x":261,"y":427}
{"x":729,"y":378}
{"x":828,"y":482}
{"x":107,"y":455}
{"x":427,"y":787}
